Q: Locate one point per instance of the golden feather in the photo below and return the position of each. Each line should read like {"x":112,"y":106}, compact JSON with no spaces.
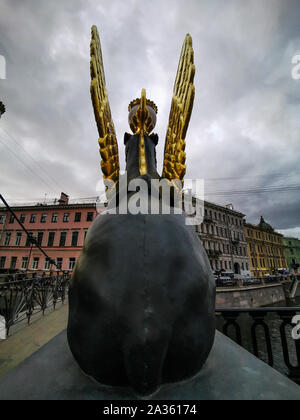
{"x":107,"y":135}
{"x":180,"y":113}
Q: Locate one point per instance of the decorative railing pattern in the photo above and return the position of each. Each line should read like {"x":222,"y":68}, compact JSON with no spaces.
{"x":21,"y":299}
{"x":265,"y":332}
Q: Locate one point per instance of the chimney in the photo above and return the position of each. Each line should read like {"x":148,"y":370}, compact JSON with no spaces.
{"x":64,"y":199}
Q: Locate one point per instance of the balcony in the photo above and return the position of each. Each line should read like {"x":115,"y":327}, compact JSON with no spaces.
{"x":213,"y":253}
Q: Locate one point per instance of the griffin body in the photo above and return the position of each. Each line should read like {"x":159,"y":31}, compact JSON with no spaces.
{"x":142,"y":296}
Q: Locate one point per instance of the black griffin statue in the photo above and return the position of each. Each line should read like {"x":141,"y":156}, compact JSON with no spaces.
{"x":142,"y":295}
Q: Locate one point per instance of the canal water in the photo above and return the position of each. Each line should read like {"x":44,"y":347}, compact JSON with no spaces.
{"x":273,"y":323}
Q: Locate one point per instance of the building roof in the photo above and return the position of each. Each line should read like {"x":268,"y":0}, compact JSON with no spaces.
{"x":222,"y":208}
{"x":55,"y":204}
{"x":50,"y":207}
{"x":53,"y":207}
{"x":264,"y":225}
{"x":291,"y":238}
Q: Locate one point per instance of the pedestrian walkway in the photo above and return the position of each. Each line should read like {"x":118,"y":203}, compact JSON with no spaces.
{"x":26,"y":341}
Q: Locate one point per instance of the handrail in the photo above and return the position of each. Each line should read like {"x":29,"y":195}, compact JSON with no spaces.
{"x":247,"y":334}
{"x":21,"y":299}
{"x":261,"y":309}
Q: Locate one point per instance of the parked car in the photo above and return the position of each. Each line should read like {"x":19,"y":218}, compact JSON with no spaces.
{"x":224,"y":281}
{"x":271,"y":279}
{"x":251,"y":281}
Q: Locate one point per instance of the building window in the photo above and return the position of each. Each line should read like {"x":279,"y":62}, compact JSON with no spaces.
{"x":47,"y":264}
{"x":28,"y":243}
{"x":11,"y":218}
{"x":62,"y":239}
{"x":32,"y":218}
{"x":74,"y":239}
{"x":24,"y":263}
{"x":40,"y":237}
{"x":85,"y":233}
{"x":7,"y":238}
{"x":247,"y":266}
{"x":225,"y":263}
{"x":2,"y":219}
{"x":43,"y":218}
{"x":2,"y":262}
{"x":89,"y":216}
{"x":18,"y":238}
{"x":59,"y":262}
{"x":66,"y":217}
{"x":51,"y":238}
{"x":77,"y":217}
{"x":71,"y":263}
{"x":54,"y":217}
{"x":13,"y":262}
{"x":35,"y":263}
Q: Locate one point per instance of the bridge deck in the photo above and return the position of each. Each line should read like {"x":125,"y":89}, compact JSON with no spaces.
{"x":230,"y":373}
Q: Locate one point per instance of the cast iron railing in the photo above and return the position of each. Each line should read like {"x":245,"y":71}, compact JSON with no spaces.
{"x":22,"y":299}
{"x":265,"y":332}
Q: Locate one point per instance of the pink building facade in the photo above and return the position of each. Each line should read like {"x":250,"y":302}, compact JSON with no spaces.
{"x":60,"y":230}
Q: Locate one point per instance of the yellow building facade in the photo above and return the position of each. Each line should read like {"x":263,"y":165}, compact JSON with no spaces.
{"x":265,"y":249}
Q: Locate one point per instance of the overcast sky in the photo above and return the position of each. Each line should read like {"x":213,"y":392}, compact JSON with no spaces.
{"x":245,"y":128}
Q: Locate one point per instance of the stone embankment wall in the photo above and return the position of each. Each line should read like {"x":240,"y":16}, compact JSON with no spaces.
{"x":250,"y":297}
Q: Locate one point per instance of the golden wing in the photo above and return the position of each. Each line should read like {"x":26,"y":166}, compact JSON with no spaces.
{"x":107,"y":135}
{"x":180,"y":113}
